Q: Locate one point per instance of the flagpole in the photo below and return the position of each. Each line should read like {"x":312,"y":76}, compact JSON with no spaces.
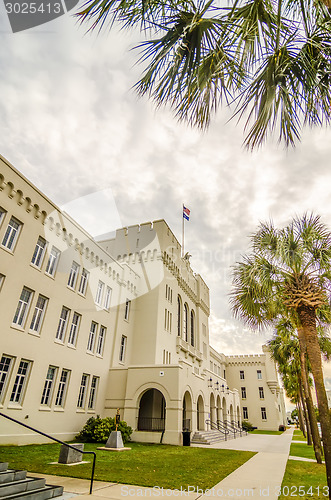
{"x":183,"y":231}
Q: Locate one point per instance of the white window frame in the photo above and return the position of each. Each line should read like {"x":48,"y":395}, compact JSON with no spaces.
{"x":2,"y":279}
{"x":38,"y":314}
{"x":92,"y":336}
{"x":99,"y":294}
{"x":53,"y":260}
{"x":2,"y":215}
{"x":259,"y":374}
{"x":83,"y":282}
{"x":263,"y":413}
{"x":122,"y":348}
{"x":243,"y":393}
{"x":39,"y":253}
{"x":261,"y":392}
{"x":11,"y":235}
{"x":6,"y":365}
{"x":101,"y":340}
{"x":73,"y":275}
{"x":93,"y":392}
{"x":107,"y":298}
{"x":20,"y":382}
{"x":74,"y":328}
{"x":62,"y":388}
{"x":242,"y":375}
{"x":82,"y":391}
{"x":47,"y":394}
{"x":245,"y":413}
{"x":62,"y":326}
{"x":22,"y":309}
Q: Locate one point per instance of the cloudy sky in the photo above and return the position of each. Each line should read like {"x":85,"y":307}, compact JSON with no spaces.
{"x":72,"y":124}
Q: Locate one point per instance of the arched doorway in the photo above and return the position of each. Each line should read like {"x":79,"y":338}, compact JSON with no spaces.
{"x":231,"y":414}
{"x":187,"y":411}
{"x":152,"y":411}
{"x":218,"y":409}
{"x":200,"y":414}
{"x":213,"y":417}
{"x":224,"y":410}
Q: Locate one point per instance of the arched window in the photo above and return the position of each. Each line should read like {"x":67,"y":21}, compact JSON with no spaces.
{"x":192,"y":328}
{"x":185,"y":323}
{"x":179,"y":315}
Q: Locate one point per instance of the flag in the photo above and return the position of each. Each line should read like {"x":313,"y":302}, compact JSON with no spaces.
{"x":186,"y":213}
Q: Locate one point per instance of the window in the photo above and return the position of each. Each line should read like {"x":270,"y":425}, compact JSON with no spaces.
{"x":2,"y":279}
{"x":259,"y":374}
{"x":39,"y":251}
{"x":93,"y":393}
{"x":122,"y":348}
{"x":2,"y":215}
{"x":92,"y":334}
{"x":261,"y":392}
{"x":185,"y":323}
{"x":242,"y":375}
{"x":52,"y":262}
{"x":11,"y":234}
{"x":20,"y":382}
{"x":82,"y":391}
{"x":263,"y":413}
{"x":245,"y":413}
{"x":22,"y":307}
{"x":61,"y":329}
{"x":83,"y":282}
{"x":48,"y":386}
{"x":98,"y":297}
{"x":101,"y":340}
{"x":179,"y":316}
{"x":243,"y":392}
{"x":73,"y":275}
{"x":192,"y":328}
{"x":5,"y":366}
{"x":62,"y":389}
{"x":107,"y":298}
{"x":74,"y":329}
{"x":127,"y":309}
{"x":38,"y":314}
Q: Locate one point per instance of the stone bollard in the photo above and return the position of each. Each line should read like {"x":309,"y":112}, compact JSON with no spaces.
{"x":70,"y":456}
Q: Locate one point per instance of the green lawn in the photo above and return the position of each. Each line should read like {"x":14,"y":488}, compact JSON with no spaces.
{"x":302,"y":450}
{"x":276,"y":433}
{"x":145,"y":465}
{"x":298,"y":436}
{"x":310,"y":476}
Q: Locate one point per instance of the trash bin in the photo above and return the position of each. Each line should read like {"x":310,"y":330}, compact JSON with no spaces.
{"x":186,"y":438}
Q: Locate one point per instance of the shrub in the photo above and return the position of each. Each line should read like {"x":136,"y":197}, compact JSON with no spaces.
{"x":247,"y":426}
{"x":98,"y":430}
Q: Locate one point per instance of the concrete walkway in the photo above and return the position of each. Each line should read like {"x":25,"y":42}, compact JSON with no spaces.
{"x":260,"y":477}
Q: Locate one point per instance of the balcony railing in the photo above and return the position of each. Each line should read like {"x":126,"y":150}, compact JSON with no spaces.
{"x":151,"y":424}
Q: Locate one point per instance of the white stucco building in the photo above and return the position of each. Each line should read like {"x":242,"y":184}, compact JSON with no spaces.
{"x":88,"y":327}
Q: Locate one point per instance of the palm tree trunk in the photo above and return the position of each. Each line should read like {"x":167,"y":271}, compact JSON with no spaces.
{"x":307,"y":318}
{"x":309,"y":402}
{"x":301,"y":420}
{"x":304,"y":412}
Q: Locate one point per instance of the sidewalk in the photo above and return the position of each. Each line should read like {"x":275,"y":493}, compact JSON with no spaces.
{"x":259,"y":477}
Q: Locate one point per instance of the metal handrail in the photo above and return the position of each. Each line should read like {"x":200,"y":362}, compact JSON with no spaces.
{"x":58,"y":441}
{"x":232,"y":427}
{"x":216,"y":427}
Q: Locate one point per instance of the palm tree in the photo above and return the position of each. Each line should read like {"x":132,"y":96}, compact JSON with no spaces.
{"x":290,"y":269}
{"x":269,"y":59}
{"x":287,"y":351}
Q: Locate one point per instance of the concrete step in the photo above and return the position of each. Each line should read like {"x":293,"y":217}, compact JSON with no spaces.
{"x":10,"y":475}
{"x":208,"y":437}
{"x":28,"y":484}
{"x":44,"y":493}
{"x":3,"y":466}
